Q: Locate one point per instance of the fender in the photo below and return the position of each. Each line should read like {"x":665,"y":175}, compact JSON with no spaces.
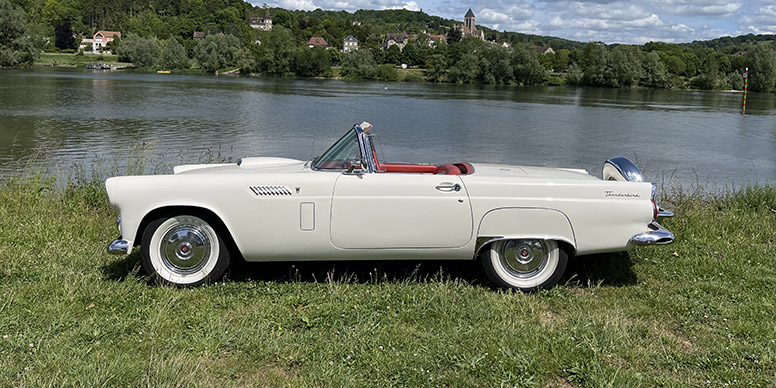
{"x":524,"y":223}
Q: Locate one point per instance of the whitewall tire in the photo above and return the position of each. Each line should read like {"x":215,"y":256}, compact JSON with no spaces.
{"x":184,"y":250}
{"x":526,"y":264}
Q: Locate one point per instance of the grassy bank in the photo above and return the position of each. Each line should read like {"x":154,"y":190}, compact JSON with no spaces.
{"x":76,"y":60}
{"x":697,"y":313}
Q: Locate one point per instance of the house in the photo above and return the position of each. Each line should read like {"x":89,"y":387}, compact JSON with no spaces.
{"x":468,"y":28}
{"x":101,"y":39}
{"x":545,"y":50}
{"x":356,"y":23}
{"x":350,"y":43}
{"x":197,"y":35}
{"x":86,"y":45}
{"x":434,"y":39}
{"x":261,"y":23}
{"x":317,"y":41}
{"x":399,"y":39}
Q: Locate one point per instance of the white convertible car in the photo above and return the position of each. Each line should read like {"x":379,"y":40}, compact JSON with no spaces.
{"x":521,"y":222}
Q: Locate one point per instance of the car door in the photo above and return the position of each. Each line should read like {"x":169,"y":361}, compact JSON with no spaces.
{"x":398,"y":210}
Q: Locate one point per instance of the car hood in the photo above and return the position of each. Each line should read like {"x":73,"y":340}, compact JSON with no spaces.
{"x":498,"y":170}
{"x":244,"y":164}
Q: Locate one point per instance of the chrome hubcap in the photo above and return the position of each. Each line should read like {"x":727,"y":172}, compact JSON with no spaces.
{"x":523,"y":258}
{"x":185,"y":248}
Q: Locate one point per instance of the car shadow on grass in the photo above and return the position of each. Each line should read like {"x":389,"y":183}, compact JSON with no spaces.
{"x":611,"y":269}
{"x":407,"y":271}
{"x":123,"y":267}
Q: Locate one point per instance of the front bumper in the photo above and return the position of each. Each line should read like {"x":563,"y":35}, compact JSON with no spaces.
{"x":657,"y":236}
{"x":118,"y":247}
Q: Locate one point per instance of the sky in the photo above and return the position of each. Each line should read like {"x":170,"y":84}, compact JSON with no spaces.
{"x":610,"y":21}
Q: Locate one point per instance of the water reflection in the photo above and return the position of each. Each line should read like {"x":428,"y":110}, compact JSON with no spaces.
{"x":81,"y":116}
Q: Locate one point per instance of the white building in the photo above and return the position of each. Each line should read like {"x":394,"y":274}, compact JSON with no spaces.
{"x":350,"y":43}
{"x":101,"y":39}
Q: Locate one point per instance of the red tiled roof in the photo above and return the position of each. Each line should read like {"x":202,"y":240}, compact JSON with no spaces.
{"x":317,"y":41}
{"x":108,"y":34}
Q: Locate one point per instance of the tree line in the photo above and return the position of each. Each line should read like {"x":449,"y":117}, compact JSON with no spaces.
{"x":158,"y":34}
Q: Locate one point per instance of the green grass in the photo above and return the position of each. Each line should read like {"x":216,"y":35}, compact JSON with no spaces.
{"x":74,"y":60}
{"x":698,"y":313}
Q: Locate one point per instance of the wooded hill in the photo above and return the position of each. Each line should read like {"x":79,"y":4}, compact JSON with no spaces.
{"x":159,"y":29}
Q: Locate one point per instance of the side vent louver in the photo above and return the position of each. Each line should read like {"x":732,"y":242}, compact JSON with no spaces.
{"x":270,"y":190}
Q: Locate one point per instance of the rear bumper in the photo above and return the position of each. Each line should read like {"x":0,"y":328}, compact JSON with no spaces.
{"x":118,"y":247}
{"x":657,"y":236}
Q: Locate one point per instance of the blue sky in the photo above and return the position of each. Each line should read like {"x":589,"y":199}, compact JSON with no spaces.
{"x":610,"y":21}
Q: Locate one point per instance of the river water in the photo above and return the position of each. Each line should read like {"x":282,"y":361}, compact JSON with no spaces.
{"x":60,"y":118}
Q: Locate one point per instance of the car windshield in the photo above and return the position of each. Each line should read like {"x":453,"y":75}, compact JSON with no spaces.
{"x":340,"y":156}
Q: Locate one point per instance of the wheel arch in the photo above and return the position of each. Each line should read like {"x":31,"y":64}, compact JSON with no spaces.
{"x":535,"y":223}
{"x":202,"y":212}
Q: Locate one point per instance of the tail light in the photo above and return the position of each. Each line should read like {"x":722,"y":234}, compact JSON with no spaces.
{"x":655,"y":208}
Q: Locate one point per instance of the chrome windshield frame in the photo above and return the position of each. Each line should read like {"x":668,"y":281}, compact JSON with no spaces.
{"x":369,"y":165}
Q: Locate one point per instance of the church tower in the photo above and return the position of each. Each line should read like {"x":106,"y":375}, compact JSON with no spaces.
{"x":468,"y":21}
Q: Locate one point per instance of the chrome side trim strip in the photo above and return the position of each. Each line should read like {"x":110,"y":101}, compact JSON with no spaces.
{"x":118,"y":247}
{"x":657,"y":236}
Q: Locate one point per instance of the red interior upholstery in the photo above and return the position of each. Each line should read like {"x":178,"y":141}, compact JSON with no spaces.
{"x":448,"y":169}
{"x":465,"y":168}
{"x":417,"y":168}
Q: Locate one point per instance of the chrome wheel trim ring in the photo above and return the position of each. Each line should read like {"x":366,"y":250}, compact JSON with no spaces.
{"x":523,"y":258}
{"x":184,"y":249}
{"x":524,"y":269}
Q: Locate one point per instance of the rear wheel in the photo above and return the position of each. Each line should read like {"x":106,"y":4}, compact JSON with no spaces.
{"x":525,"y":264}
{"x":184,"y":250}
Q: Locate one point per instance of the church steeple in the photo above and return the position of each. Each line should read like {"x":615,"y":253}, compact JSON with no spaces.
{"x":468,"y":20}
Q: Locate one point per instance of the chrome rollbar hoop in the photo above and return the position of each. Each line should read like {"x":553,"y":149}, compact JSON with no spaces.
{"x":367,"y":152}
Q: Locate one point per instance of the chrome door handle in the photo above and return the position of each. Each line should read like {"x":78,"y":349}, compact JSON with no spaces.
{"x":447,"y":186}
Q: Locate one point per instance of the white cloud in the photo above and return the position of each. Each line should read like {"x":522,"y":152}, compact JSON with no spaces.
{"x":611,"y":21}
{"x":306,"y":5}
{"x":768,"y":10}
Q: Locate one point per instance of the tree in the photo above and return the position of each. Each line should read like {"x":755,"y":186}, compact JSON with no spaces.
{"x":312,"y":62}
{"x":627,"y":67}
{"x":359,"y":64}
{"x":465,"y":70}
{"x":596,"y":65}
{"x":654,"y":71}
{"x":495,"y":65}
{"x":17,"y":46}
{"x":526,"y":67}
{"x":411,"y":55}
{"x":761,"y":61}
{"x":142,"y":52}
{"x":218,"y":51}
{"x":63,"y":36}
{"x":386,"y":72}
{"x":454,"y":35}
{"x":562,"y":60}
{"x":174,"y":55}
{"x":437,"y":67}
{"x":393,"y":55}
{"x":276,"y":52}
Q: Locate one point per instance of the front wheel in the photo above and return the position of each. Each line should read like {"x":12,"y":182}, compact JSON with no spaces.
{"x":184,"y":250}
{"x":525,"y":265}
